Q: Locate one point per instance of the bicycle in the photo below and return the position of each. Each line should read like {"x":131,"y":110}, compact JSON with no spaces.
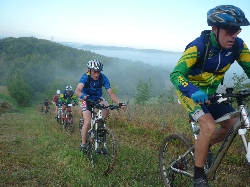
{"x":67,"y":118}
{"x":176,"y":156}
{"x":47,"y":110}
{"x":100,"y":139}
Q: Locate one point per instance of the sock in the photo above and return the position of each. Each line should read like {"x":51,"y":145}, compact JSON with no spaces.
{"x":198,"y":172}
{"x":83,"y":145}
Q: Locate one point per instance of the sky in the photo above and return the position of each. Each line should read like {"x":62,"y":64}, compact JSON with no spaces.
{"x":146,"y":24}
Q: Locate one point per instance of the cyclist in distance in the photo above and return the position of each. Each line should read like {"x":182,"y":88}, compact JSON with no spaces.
{"x":55,"y":100}
{"x":67,"y":97}
{"x":46,"y":103}
{"x":195,"y":84}
{"x":90,"y":86}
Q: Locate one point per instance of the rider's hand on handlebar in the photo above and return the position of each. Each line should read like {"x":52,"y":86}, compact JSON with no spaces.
{"x":199,"y":97}
{"x":122,"y":105}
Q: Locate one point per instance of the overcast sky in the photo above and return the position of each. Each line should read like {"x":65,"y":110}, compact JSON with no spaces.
{"x":149,"y":24}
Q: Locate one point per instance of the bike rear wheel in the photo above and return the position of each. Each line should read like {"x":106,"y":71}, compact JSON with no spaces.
{"x":172,"y":166}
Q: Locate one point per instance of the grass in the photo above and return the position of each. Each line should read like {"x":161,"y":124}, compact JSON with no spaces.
{"x":36,"y":151}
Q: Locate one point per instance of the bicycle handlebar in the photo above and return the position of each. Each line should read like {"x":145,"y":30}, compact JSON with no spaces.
{"x":97,"y":105}
{"x":226,"y":97}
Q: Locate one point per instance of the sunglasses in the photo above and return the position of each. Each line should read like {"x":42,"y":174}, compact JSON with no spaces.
{"x":232,"y":31}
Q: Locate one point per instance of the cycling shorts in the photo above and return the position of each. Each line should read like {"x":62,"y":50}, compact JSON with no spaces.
{"x":197,"y":110}
{"x":87,"y":106}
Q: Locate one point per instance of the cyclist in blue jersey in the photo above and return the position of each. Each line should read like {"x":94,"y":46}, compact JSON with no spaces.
{"x":90,"y":86}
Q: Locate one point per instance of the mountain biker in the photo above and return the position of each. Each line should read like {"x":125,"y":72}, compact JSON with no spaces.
{"x":66,"y":98}
{"x":90,"y":86}
{"x":195,"y":84}
{"x":46,"y":104}
{"x":55,"y":100}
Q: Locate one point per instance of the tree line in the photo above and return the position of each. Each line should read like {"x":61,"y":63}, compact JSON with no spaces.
{"x":34,"y":68}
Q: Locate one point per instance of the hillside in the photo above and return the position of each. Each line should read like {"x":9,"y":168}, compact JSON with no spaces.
{"x":47,"y":66}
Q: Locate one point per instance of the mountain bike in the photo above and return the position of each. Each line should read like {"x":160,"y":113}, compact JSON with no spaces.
{"x":47,"y":110}
{"x":67,"y":118}
{"x":101,"y":144}
{"x":177,"y":151}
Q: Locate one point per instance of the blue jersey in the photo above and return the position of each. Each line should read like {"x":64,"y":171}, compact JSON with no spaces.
{"x":94,"y":91}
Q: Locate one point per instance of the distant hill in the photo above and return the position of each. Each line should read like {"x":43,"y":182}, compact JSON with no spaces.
{"x":47,"y":66}
{"x":113,"y":48}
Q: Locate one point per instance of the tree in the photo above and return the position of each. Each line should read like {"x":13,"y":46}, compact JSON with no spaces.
{"x":240,"y":82}
{"x":143,"y":91}
{"x":20,"y":90}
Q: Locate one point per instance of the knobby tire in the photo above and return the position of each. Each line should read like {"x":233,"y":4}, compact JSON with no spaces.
{"x":173,"y":146}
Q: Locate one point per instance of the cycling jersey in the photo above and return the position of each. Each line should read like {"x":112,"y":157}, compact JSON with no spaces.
{"x":94,"y":91}
{"x":55,"y":99}
{"x":67,"y":98}
{"x":187,"y":78}
{"x":46,"y":102}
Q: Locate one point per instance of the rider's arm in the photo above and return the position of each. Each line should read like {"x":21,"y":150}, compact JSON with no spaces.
{"x":113,"y":96}
{"x":74,"y":98}
{"x":61,"y":98}
{"x":244,"y":58}
{"x":79,"y":91}
{"x":178,"y":75}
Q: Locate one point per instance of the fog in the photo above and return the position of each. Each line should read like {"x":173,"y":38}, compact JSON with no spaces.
{"x":163,"y":60}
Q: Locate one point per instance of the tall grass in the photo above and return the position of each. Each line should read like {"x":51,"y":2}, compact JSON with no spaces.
{"x":36,"y":151}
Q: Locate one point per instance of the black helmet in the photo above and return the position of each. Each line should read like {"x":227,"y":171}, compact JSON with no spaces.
{"x":226,"y":16}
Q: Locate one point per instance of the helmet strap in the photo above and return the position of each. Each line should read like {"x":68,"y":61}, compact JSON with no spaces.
{"x":217,"y":37}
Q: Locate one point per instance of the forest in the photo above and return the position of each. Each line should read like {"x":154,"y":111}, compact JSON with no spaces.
{"x":34,"y":68}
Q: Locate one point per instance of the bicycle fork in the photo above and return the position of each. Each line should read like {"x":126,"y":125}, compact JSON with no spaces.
{"x":242,"y":132}
{"x":97,"y":140}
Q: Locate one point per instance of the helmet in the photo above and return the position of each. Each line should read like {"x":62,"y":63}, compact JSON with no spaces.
{"x":58,"y":91}
{"x":225,"y":16}
{"x":95,"y":65}
{"x":68,"y":88}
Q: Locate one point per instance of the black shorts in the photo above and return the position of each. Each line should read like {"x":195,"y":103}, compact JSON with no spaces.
{"x":217,"y":110}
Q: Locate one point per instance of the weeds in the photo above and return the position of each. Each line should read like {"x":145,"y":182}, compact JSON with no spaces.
{"x":35,"y":151}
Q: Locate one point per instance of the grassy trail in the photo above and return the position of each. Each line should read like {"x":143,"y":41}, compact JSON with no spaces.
{"x":35,"y":151}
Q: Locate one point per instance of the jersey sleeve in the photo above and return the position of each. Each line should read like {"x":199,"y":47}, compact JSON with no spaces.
{"x":105,"y":82}
{"x":84,"y":79}
{"x":74,"y":97}
{"x":178,"y":76}
{"x":244,"y":58}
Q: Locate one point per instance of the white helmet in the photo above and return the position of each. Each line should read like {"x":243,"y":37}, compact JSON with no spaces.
{"x":69,"y":88}
{"x":95,"y":65}
{"x":58,"y":91}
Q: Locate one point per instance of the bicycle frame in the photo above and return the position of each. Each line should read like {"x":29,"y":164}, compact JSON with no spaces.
{"x":240,"y":126}
{"x":95,"y":118}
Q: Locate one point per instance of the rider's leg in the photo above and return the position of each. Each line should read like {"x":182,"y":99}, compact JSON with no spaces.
{"x":86,"y":118}
{"x":63,"y":108}
{"x":222,"y":131}
{"x":207,"y":128}
{"x":56,"y":109}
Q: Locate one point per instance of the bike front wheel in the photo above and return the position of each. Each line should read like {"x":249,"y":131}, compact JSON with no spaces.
{"x":105,"y":154}
{"x":70,"y":124}
{"x":176,"y":160}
